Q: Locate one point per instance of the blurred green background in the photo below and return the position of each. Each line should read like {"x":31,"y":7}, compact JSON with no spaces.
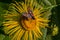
{"x":54,"y":17}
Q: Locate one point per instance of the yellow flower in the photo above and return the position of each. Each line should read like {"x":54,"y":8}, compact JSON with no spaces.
{"x":25,"y":21}
{"x":55,"y":30}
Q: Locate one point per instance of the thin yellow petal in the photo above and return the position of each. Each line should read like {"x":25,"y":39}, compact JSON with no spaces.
{"x":35,"y":34}
{"x":44,"y":24}
{"x":25,"y":36}
{"x":43,"y":20}
{"x":30,"y":35}
{"x":16,"y":34}
{"x":19,"y":9}
{"x":19,"y":6}
{"x":39,"y":31}
{"x":31,"y":4}
{"x":10,"y":22}
{"x":35,"y":38}
{"x":9,"y":27}
{"x":36,"y":12}
{"x":24,"y":6}
{"x":13,"y":30}
{"x":11,"y":14}
{"x":6,"y":24}
{"x":20,"y":34}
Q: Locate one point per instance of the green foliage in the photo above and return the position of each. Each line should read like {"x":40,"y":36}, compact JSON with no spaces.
{"x":1,"y":36}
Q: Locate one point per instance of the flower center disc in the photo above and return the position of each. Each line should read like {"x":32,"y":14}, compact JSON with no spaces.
{"x":29,"y":24}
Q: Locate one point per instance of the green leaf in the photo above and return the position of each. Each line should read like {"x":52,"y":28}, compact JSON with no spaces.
{"x":7,"y":38}
{"x":2,"y":36}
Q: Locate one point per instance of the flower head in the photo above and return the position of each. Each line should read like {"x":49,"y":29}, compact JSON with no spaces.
{"x":25,"y":21}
